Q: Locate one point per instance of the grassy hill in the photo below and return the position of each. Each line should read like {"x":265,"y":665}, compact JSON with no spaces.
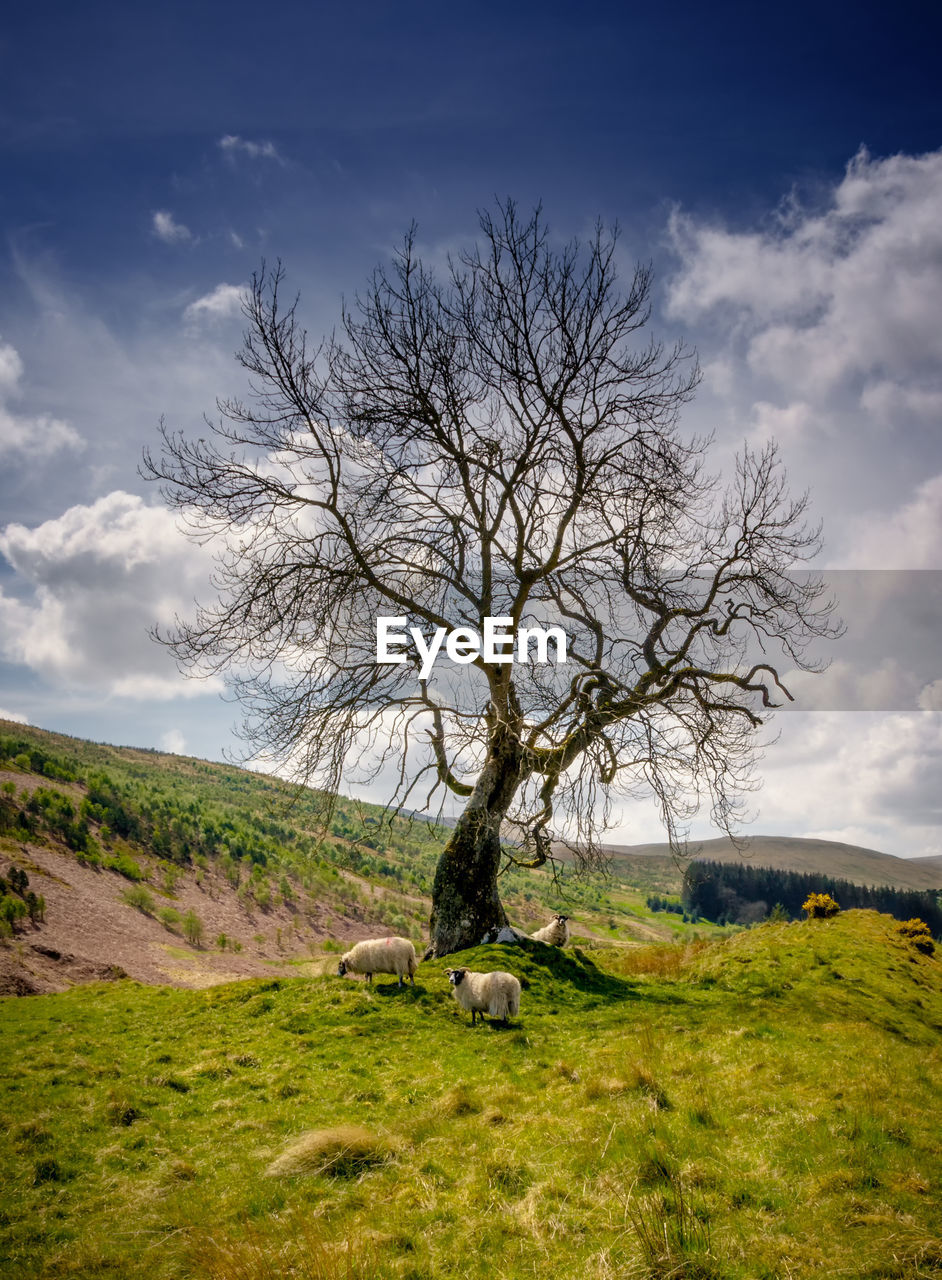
{"x":787,"y":853}
{"x":933,"y":862}
{"x":764,"y":1105}
{"x":171,"y":869}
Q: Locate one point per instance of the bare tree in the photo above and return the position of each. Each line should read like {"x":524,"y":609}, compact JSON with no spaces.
{"x":502,"y":444}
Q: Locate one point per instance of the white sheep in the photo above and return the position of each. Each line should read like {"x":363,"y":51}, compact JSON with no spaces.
{"x":556,"y":933}
{"x":380,"y":955}
{"x":498,"y":993}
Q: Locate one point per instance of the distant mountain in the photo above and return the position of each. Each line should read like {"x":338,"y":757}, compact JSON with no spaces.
{"x":789,"y":853}
{"x":932,"y":861}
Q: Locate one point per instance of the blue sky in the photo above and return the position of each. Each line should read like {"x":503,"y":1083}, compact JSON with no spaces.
{"x":780,"y":166}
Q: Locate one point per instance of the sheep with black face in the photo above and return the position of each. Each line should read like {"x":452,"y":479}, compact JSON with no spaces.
{"x":554,"y":934}
{"x":497,"y":994}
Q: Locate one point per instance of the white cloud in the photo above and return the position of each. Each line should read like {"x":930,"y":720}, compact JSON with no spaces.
{"x":174,"y":742}
{"x":233,"y":145}
{"x":100,"y":577}
{"x":868,"y":778}
{"x":823,"y":330}
{"x":221,"y":303}
{"x":38,"y":437}
{"x":167,"y":229}
{"x":930,"y":698}
{"x":30,"y":436}
{"x":15,"y":716}
{"x":853,"y":291}
{"x":11,"y":367}
{"x":909,"y":537}
{"x":788,"y":424}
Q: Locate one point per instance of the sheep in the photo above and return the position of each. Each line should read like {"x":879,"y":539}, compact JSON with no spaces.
{"x":555,"y":934}
{"x":380,"y":955}
{"x":498,"y":993}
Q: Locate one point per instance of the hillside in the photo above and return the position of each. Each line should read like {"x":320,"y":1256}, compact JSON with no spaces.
{"x":176,"y":870}
{"x":933,"y":862}
{"x":786,"y":853}
{"x":760,"y":1106}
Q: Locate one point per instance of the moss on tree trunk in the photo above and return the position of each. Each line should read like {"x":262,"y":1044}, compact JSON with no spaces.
{"x":465,"y":899}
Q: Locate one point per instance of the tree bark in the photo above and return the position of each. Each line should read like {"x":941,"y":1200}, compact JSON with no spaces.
{"x":465,"y":898}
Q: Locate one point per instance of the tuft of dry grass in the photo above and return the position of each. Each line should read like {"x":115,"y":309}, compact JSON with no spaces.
{"x":298,"y":1250}
{"x":344,"y":1151}
{"x":459,"y":1101}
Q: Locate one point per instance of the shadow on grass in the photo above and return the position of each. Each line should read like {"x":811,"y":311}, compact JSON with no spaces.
{"x":407,"y":991}
{"x":550,"y":970}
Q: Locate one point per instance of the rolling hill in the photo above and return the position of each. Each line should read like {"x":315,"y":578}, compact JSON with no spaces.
{"x":174,"y":870}
{"x":786,"y":853}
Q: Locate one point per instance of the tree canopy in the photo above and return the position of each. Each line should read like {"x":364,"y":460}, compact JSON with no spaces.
{"x":502,"y":442}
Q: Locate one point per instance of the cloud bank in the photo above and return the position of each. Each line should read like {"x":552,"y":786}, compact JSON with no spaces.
{"x":824,"y":329}
{"x":97,"y":578}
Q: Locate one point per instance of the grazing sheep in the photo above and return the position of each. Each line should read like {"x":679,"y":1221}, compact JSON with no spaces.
{"x":556,"y":933}
{"x":498,"y":993}
{"x":380,"y":955}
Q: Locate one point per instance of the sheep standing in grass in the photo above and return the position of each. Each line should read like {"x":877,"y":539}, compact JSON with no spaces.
{"x":380,"y":955}
{"x":497,"y":993}
{"x":555,"y":934}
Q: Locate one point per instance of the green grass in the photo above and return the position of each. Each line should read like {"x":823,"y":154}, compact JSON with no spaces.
{"x":765,"y":1106}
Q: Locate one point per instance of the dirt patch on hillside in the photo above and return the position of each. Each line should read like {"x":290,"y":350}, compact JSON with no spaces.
{"x":91,"y":934}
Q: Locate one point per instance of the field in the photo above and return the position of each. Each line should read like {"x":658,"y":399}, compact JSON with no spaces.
{"x":761,"y":1105}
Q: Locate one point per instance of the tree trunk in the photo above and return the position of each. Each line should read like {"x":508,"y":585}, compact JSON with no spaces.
{"x":465,"y":900}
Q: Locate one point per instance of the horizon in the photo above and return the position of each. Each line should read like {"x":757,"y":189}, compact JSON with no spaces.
{"x":742,"y":838}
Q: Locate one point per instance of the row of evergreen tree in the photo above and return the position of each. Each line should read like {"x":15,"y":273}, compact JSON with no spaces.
{"x":739,"y":893}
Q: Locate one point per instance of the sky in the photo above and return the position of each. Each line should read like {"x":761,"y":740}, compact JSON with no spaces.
{"x":779,"y":166}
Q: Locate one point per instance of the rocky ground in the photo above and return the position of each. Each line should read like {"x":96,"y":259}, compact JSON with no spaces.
{"x":91,"y":933}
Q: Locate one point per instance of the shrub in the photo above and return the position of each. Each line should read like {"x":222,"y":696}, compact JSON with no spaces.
{"x":11,"y":910}
{"x":141,"y":898}
{"x":820,"y":906}
{"x":192,"y":928}
{"x":125,"y":866}
{"x":917,"y":932}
